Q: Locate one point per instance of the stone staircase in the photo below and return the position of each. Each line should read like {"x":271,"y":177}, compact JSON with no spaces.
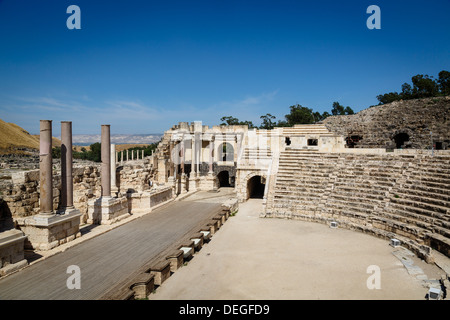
{"x":306,"y":129}
{"x":301,"y":184}
{"x":401,"y":196}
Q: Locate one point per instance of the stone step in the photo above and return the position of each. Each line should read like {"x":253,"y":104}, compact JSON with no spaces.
{"x":376,"y":183}
{"x":424,"y":199}
{"x":408,"y":217}
{"x":362,"y":188}
{"x":420,"y":206}
{"x":432,"y":184}
{"x":358,"y":194}
{"x":429,"y":178}
{"x":336,"y":202}
{"x":425,"y":190}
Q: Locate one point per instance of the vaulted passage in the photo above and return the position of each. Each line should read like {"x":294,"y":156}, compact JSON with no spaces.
{"x":255,"y":188}
{"x":400,"y":139}
{"x":224,"y":179}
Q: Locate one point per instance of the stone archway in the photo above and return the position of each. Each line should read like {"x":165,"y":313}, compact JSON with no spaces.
{"x":255,"y":187}
{"x":400,"y":139}
{"x":224,"y":179}
{"x":252,"y":186}
{"x":225,"y":152}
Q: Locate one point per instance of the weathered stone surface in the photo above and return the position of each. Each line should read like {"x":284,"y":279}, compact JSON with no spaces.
{"x":378,"y":125}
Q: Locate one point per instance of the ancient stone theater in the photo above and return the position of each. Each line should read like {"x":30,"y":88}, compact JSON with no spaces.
{"x":384,"y":171}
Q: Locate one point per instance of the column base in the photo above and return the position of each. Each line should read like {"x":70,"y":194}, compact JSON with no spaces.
{"x":12,"y":251}
{"x":46,"y":231}
{"x":107,"y":210}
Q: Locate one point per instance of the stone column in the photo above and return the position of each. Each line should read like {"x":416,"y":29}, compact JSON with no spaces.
{"x":66,"y":165}
{"x":171,"y":165}
{"x":193,"y":148}
{"x":182,"y":156}
{"x":121,"y":157}
{"x":127,"y":155}
{"x":106,"y":161}
{"x":45,"y":168}
{"x":113,"y":168}
{"x":142,"y":154}
{"x":211,"y":159}
{"x":199,"y":154}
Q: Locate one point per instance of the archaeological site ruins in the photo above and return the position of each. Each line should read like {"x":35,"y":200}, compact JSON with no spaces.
{"x":384,"y":171}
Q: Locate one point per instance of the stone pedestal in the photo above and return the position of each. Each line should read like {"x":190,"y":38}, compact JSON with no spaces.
{"x":172,"y":182}
{"x":46,"y":232}
{"x":211,"y":182}
{"x":184,"y":182}
{"x":107,"y":210}
{"x":11,"y":251}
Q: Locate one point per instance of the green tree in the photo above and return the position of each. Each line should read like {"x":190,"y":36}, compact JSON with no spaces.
{"x":348,"y":110}
{"x":229,"y":121}
{"x":407,"y":91}
{"x":56,"y":152}
{"x":96,"y":152}
{"x":444,"y":82}
{"x":299,"y":115}
{"x":388,"y":97}
{"x":267,"y":121}
{"x":424,"y":86}
{"x":340,"y":110}
{"x":232,"y":121}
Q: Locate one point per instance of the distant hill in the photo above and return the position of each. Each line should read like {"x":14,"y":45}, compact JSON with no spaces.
{"x":16,"y":140}
{"x":144,"y":139}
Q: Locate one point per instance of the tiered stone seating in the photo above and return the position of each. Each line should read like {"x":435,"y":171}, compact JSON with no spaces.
{"x":362,"y":185}
{"x":302,"y":179}
{"x":423,"y":200}
{"x":402,"y":196}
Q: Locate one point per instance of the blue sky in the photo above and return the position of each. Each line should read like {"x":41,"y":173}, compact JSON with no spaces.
{"x":143,"y":66}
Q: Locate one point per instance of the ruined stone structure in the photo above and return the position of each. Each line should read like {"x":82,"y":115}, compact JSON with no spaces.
{"x":376,"y":184}
{"x":44,"y":208}
{"x":308,"y":172}
{"x":417,"y":124}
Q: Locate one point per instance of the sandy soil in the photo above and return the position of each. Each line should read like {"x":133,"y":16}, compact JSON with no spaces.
{"x":255,"y":258}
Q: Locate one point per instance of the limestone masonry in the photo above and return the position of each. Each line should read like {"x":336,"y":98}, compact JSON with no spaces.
{"x":383,"y":171}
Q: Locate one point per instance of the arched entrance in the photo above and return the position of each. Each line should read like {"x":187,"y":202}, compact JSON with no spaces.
{"x":400,"y":139}
{"x":226,"y":152}
{"x":224,"y":179}
{"x":255,"y":187}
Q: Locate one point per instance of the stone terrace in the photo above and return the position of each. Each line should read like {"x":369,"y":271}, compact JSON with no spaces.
{"x":403,"y":196}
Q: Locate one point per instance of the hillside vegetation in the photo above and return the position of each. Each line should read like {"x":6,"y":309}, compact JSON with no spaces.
{"x":14,"y":139}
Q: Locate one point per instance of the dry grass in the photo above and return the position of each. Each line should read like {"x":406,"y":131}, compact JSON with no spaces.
{"x":120,"y":147}
{"x":12,"y":137}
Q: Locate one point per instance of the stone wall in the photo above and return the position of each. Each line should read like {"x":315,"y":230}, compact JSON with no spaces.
{"x":134,"y":176}
{"x":22,"y":192}
{"x":377,"y":126}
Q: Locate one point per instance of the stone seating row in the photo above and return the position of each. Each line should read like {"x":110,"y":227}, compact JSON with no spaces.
{"x":381,"y":194}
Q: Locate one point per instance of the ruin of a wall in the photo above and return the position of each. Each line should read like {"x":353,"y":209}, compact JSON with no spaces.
{"x":21,"y":193}
{"x":422,"y":122}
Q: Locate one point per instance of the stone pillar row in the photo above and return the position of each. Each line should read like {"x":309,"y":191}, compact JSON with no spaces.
{"x":46,"y":167}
